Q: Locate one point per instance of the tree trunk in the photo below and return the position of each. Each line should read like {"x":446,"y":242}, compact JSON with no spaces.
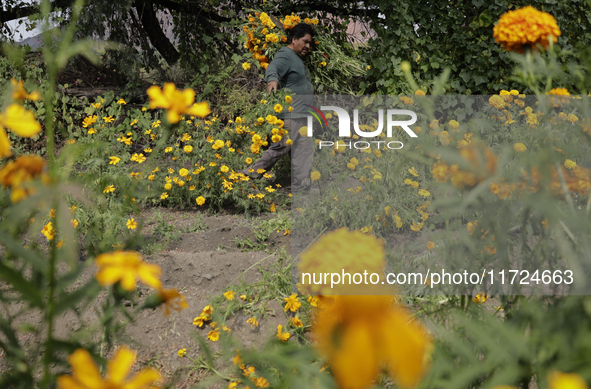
{"x":151,"y":24}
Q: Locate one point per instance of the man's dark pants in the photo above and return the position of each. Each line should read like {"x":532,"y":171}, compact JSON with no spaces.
{"x":302,"y":152}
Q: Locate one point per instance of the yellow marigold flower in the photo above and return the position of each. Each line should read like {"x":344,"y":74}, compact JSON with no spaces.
{"x":218,"y":144}
{"x":559,"y":92}
{"x":48,"y":231}
{"x":224,"y":169}
{"x":572,"y":118}
{"x":229,"y":295}
{"x":292,"y":303}
{"x":95,"y":105}
{"x":168,"y":149}
{"x":213,"y":335}
{"x":496,"y":101}
{"x":278,"y":108}
{"x":494,"y":188}
{"x":314,"y":301}
{"x":315,"y":175}
{"x":303,"y":131}
{"x":570,"y":164}
{"x":519,"y":147}
{"x":525,"y":27}
{"x":91,"y":131}
{"x":18,"y":120}
{"x":558,"y":380}
{"x":182,"y":352}
{"x":200,"y":200}
{"x":416,"y":227}
{"x":109,"y":189}
{"x":108,"y":119}
{"x":131,"y":224}
{"x":199,"y":320}
{"x":272,"y":208}
{"x":407,"y":100}
{"x":430,"y":245}
{"x":183,"y":172}
{"x":272,"y":38}
{"x":246,"y":66}
{"x":139,"y":158}
{"x":480,"y":298}
{"x":19,"y":92}
{"x":413,"y":171}
{"x":288,"y":99}
{"x":248,"y":160}
{"x":88,"y":121}
{"x":126,"y":267}
{"x":341,"y":250}
{"x":168,"y":186}
{"x":282,"y":336}
{"x":188,"y":148}
{"x":86,"y":373}
{"x":370,"y":329}
{"x":74,"y":223}
{"x":172,"y":299}
{"x":434,"y":124}
{"x":453,"y":124}
{"x":253,"y":322}
{"x":176,"y":102}
{"x":424,"y":192}
{"x":419,"y":93}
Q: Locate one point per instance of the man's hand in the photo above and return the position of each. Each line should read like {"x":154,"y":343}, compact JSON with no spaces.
{"x":272,"y":86}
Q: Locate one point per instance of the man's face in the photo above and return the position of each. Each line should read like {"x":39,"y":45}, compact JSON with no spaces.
{"x":302,"y":45}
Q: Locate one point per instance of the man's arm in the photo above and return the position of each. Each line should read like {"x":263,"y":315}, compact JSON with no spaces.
{"x":276,"y":70}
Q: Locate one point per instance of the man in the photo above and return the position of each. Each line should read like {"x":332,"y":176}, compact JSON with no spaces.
{"x":288,"y":70}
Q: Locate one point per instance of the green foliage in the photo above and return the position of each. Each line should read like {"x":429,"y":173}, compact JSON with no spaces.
{"x":459,"y":35}
{"x":523,"y":340}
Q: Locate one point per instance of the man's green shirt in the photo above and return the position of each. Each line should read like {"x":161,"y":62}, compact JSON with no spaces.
{"x":291,"y":72}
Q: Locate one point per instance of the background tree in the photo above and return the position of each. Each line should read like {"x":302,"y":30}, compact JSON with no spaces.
{"x":458,"y":34}
{"x":431,"y":35}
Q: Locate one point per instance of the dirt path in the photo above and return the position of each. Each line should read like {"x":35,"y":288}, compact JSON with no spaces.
{"x":202,"y":264}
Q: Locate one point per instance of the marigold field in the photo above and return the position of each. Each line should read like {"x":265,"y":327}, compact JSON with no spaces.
{"x":136,"y":253}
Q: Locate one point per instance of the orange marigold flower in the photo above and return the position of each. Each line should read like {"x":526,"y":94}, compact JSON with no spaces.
{"x":373,"y":330}
{"x":525,"y":27}
{"x":172,"y":299}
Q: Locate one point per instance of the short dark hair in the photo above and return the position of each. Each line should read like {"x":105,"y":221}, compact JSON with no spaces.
{"x":299,"y":31}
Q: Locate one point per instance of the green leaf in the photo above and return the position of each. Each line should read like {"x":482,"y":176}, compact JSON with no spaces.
{"x":465,"y":76}
{"x":27,"y":289}
{"x":32,"y":258}
{"x":66,"y":301}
